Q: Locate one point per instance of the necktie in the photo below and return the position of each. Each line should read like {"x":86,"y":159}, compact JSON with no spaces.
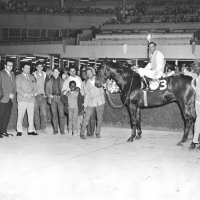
{"x":10,"y":76}
{"x":27,"y":77}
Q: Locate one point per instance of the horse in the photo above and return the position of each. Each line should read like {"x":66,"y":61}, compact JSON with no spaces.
{"x":176,"y":88}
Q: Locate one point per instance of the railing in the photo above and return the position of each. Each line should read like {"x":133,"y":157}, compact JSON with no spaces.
{"x":38,"y":41}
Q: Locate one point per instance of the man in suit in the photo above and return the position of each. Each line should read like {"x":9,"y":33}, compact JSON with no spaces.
{"x":53,"y":92}
{"x":26,"y":91}
{"x":8,"y":87}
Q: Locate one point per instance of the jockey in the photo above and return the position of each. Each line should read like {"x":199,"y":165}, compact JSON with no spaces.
{"x":155,"y":68}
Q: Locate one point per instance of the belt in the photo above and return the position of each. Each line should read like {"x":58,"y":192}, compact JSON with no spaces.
{"x":55,"y":95}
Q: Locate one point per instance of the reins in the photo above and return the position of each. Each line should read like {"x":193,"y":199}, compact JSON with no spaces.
{"x":120,"y":106}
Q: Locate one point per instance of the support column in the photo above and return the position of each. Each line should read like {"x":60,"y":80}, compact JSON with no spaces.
{"x":62,"y":3}
{"x":51,"y":62}
{"x":123,"y":8}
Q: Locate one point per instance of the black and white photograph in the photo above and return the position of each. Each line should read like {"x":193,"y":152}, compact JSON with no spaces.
{"x":99,"y":99}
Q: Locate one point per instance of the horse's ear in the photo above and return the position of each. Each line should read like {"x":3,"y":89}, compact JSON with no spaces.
{"x":105,"y":60}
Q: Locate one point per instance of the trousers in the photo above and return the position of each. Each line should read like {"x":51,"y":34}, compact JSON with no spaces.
{"x":197,"y":123}
{"x":22,"y":108}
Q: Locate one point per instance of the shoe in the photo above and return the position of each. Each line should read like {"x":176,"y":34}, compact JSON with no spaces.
{"x":19,"y":133}
{"x":70,"y":133}
{"x":1,"y":136}
{"x":192,"y":146}
{"x":98,"y":135}
{"x":55,"y":133}
{"x":83,"y":137}
{"x":32,"y":133}
{"x":6,"y":134}
{"x":63,"y":133}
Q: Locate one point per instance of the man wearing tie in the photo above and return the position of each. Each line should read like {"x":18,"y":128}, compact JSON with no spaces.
{"x":8,"y":86}
{"x":26,"y":91}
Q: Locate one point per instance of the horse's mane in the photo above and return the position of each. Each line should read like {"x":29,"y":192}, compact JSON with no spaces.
{"x":127,"y":73}
{"x":125,"y":70}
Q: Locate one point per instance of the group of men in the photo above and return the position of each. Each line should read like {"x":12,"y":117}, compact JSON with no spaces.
{"x":34,"y":91}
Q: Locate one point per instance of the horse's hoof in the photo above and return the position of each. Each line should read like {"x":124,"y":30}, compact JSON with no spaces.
{"x":192,"y":146}
{"x":179,"y":144}
{"x":138,"y":137}
{"x":130,"y":139}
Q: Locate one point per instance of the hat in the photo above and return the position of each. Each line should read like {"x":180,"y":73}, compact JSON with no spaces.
{"x":92,"y":69}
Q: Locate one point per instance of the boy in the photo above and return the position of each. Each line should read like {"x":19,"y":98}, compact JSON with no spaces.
{"x":72,"y":107}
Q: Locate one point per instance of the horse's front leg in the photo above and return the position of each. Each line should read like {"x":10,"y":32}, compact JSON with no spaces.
{"x":133,"y":115}
{"x":138,"y":124}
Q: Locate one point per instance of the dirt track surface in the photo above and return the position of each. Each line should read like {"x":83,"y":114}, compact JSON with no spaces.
{"x":49,"y":167}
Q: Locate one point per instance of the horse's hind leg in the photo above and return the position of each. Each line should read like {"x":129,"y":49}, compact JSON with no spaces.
{"x":188,"y":125}
{"x":133,"y":114}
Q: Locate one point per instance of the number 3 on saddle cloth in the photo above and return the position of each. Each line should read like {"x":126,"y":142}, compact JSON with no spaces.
{"x":152,"y":85}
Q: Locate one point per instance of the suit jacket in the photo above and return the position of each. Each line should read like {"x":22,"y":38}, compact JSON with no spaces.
{"x":25,"y":87}
{"x":8,"y":85}
{"x":49,"y":86}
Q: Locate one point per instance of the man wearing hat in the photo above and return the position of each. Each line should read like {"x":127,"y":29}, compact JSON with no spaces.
{"x":94,"y":100}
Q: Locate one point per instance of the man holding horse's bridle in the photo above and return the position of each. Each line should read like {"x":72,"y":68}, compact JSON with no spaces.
{"x":155,"y":68}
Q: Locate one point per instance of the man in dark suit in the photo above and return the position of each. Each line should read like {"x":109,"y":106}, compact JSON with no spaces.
{"x":8,"y":86}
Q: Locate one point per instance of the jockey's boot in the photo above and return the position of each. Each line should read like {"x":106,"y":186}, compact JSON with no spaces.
{"x":145,"y":84}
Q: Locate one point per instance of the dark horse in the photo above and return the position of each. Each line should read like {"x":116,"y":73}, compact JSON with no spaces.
{"x":175,"y":88}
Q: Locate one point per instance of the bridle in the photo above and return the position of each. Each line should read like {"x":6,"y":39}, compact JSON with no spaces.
{"x":109,"y":99}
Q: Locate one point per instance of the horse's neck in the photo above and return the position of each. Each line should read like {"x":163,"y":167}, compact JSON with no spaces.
{"x":119,"y":80}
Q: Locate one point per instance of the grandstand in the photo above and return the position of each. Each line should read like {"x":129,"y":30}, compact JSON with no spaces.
{"x":97,"y":29}
{"x":140,"y":39}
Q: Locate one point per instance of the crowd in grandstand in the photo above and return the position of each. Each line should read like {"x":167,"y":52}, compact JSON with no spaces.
{"x":177,"y":8}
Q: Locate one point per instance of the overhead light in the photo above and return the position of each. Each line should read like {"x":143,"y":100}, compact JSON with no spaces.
{"x":31,"y":57}
{"x":25,"y":59}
